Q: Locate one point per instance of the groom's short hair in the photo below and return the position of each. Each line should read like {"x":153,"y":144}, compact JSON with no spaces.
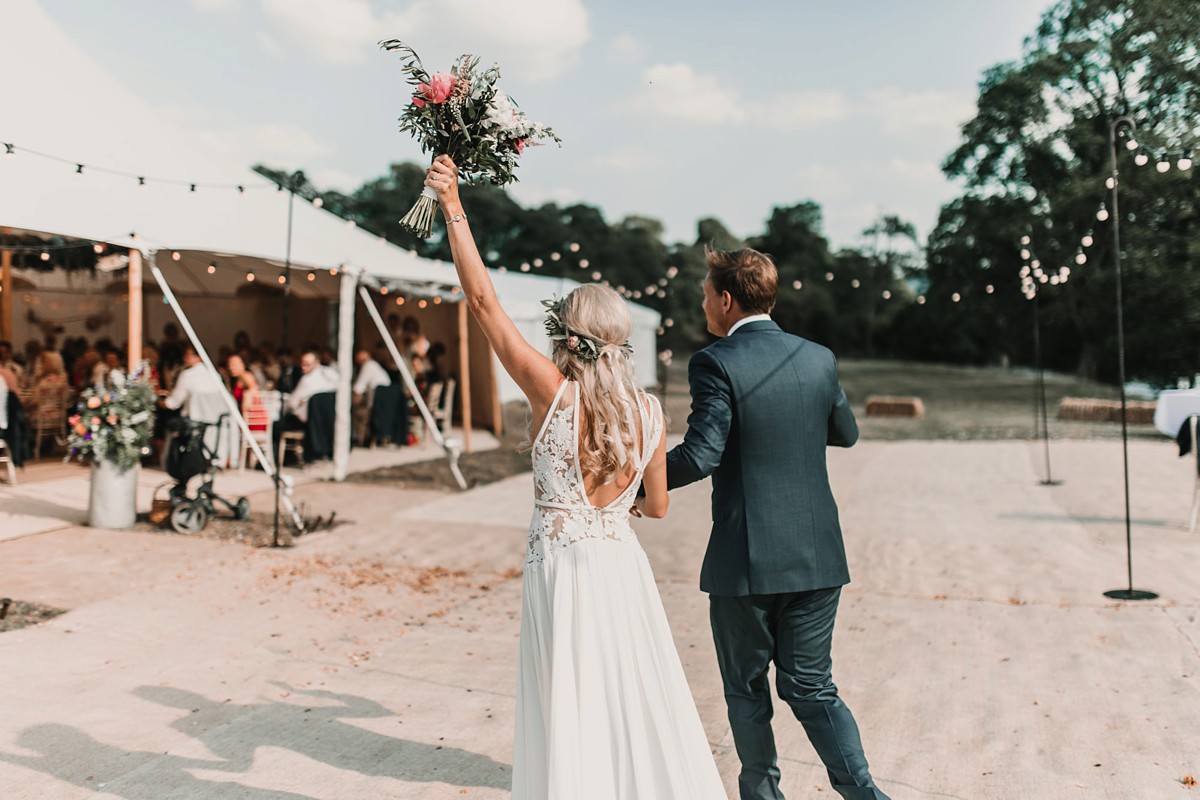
{"x":749,"y":276}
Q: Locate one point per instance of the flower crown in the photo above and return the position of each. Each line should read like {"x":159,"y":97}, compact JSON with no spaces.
{"x":583,"y":346}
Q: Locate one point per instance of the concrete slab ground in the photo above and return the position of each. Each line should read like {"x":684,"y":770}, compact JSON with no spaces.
{"x":378,"y":660}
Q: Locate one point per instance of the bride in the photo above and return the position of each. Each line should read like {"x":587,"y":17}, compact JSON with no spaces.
{"x":603,"y":707}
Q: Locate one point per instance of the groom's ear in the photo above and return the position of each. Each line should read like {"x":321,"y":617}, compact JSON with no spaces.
{"x":727,"y":302}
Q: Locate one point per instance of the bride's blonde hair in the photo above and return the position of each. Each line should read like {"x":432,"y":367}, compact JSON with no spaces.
{"x":594,"y":352}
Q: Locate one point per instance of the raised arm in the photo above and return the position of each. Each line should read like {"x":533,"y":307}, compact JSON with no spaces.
{"x":534,"y":373}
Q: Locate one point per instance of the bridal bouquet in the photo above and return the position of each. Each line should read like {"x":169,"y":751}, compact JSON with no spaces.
{"x":465,"y":115}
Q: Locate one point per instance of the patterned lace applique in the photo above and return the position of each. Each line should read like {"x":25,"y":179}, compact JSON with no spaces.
{"x":562,"y":514}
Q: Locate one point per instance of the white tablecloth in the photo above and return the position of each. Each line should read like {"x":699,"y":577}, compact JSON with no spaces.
{"x":1173,"y":407}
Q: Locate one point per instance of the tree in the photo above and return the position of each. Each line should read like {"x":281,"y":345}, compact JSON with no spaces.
{"x":1038,"y":146}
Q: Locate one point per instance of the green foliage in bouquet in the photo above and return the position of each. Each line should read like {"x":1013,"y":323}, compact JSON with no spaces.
{"x":113,"y":424}
{"x":464,"y":114}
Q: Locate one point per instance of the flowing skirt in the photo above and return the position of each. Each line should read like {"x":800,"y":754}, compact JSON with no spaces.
{"x":604,"y":711}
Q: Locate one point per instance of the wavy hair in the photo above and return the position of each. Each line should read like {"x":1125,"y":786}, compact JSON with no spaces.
{"x":608,"y":389}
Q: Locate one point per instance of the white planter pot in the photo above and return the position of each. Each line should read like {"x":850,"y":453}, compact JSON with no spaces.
{"x":113,"y":500}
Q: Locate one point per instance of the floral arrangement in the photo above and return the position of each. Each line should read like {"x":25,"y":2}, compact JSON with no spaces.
{"x":465,"y":115}
{"x":583,"y":346}
{"x":114,"y":424}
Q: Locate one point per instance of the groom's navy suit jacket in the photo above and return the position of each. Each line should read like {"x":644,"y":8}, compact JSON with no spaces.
{"x":765,"y":404}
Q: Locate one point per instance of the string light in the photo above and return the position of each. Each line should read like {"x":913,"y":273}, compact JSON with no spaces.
{"x":920,"y":299}
{"x":855,"y":283}
{"x":990,"y":289}
{"x":421,"y":304}
{"x":1185,"y":161}
{"x":1102,"y":214}
{"x":437,"y":301}
{"x":1110,"y":182}
{"x":797,"y":285}
{"x":1087,"y":240}
{"x":1081,"y":259}
{"x":317,"y":202}
{"x":250,"y":277}
{"x":282,"y":279}
{"x":1164,"y":163}
{"x":1131,"y":144}
{"x":1141,"y":159}
{"x":212,"y":268}
{"x":399,"y":301}
{"x":828,"y":276}
{"x":383,"y":290}
{"x":956,"y":297}
{"x":537,"y":262}
{"x":888,"y":295}
{"x":312,"y":276}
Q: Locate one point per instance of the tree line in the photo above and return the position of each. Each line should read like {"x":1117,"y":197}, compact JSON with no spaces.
{"x":1032,"y":162}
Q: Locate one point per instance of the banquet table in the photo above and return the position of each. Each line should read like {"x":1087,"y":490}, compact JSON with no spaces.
{"x":1174,"y":406}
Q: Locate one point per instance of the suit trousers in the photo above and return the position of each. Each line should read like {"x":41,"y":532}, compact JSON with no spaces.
{"x":795,"y":631}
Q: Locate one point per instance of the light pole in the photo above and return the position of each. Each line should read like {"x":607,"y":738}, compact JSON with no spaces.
{"x":1128,"y":593}
{"x":1039,"y":389}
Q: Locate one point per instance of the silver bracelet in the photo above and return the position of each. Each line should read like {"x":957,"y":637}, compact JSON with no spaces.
{"x":455,"y":218}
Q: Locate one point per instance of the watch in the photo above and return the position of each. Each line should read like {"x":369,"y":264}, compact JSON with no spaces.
{"x":455,"y":218}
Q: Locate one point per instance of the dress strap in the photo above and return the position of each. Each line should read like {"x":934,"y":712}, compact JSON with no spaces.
{"x":562,"y":387}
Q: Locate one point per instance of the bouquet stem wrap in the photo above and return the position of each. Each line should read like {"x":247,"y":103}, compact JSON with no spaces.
{"x":419,"y":218}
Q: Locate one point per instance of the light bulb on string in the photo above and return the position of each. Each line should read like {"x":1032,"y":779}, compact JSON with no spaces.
{"x":317,"y":202}
{"x":1024,"y":272}
{"x":921,"y":300}
{"x":1025,"y":254}
{"x":1063,"y":272}
{"x":854,"y":283}
{"x":1036,"y":264}
{"x":212,"y":268}
{"x":1087,"y":240}
{"x":555,"y":256}
{"x":583,"y":263}
{"x":1131,"y":144}
{"x":1080,"y":259}
{"x":399,"y":301}
{"x":191,"y":187}
{"x":97,"y":248}
{"x":887,"y":295}
{"x":956,"y":297}
{"x":45,"y":256}
{"x":1043,"y":278}
{"x":537,"y":262}
{"x":668,"y":322}
{"x":1054,"y":280}
{"x":175,"y":256}
{"x":828,"y":276}
{"x":990,"y":289}
{"x":637,"y":295}
{"x":797,"y":285}
{"x":421,"y":304}
{"x":1024,"y":240}
{"x":437,"y":301}
{"x":383,"y":290}
{"x":573,"y":247}
{"x":595,"y":276}
{"x":1102,"y":214}
{"x":8,"y":149}
{"x":502,"y":269}
{"x":282,"y":279}
{"x":250,"y":277}
{"x":662,"y":281}
{"x":1141,"y":159}
{"x":312,"y":276}
{"x":1164,"y":163}
{"x":1185,"y":161}
{"x":1110,"y":182}
{"x":525,"y":267}
{"x":672,"y":272}
{"x":79,"y":169}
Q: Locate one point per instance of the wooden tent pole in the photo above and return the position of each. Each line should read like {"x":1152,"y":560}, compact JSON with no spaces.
{"x":135,"y":309}
{"x":464,"y":374}
{"x":6,"y":295}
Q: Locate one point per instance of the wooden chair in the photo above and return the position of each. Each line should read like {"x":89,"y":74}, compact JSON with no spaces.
{"x":50,"y":417}
{"x":260,"y":410}
{"x":441,"y":404}
{"x":6,"y":457}
{"x":293,"y":441}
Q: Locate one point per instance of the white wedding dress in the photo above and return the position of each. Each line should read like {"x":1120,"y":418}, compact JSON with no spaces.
{"x":603,"y":708}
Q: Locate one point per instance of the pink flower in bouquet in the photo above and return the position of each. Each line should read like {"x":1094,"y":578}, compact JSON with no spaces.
{"x":520,"y":145}
{"x":95,"y":422}
{"x":572,"y":342}
{"x":74,"y":418}
{"x":419,"y":95}
{"x":80,"y":428}
{"x":441,"y":86}
{"x":112,"y":419}
{"x":93,"y":402}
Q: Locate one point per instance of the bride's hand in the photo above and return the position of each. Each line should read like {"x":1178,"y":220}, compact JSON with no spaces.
{"x":442,"y":177}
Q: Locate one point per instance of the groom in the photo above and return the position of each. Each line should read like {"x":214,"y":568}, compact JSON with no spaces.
{"x":765,"y":404}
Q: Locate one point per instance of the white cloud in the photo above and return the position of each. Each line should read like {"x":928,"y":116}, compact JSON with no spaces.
{"x":677,"y":93}
{"x":803,"y":111}
{"x":533,"y":39}
{"x":326,"y":178}
{"x":271,"y":45}
{"x":532,"y":196}
{"x":625,"y":48}
{"x":626,"y":158}
{"x":918,"y":112}
{"x":214,"y":5}
{"x":277,"y":144}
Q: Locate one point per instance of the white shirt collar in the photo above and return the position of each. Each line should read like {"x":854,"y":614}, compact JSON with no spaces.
{"x":747,"y":320}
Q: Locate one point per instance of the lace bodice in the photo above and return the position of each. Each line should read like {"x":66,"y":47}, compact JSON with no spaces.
{"x":562,"y":514}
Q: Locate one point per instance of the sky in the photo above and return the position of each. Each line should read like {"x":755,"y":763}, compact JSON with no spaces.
{"x":672,"y":110}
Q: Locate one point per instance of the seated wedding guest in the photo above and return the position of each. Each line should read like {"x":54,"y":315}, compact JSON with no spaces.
{"x":315,"y":379}
{"x":242,"y":380}
{"x":370,"y":376}
{"x":33,"y":353}
{"x":7,"y":361}
{"x":150,"y":357}
{"x":414,"y":347}
{"x":289,"y":370}
{"x":52,"y":377}
{"x":435,"y":373}
{"x":194,"y":381}
{"x":85,"y":365}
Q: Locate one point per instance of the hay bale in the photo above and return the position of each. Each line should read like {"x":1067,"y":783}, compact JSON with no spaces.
{"x":879,"y":405}
{"x":1092,"y":409}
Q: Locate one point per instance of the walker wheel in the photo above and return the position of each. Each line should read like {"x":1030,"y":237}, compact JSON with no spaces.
{"x":190,"y":516}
